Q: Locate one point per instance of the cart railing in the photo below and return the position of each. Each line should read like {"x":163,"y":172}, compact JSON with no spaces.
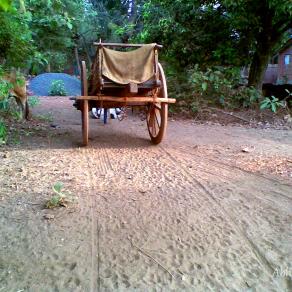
{"x":128,"y":100}
{"x":100,"y":44}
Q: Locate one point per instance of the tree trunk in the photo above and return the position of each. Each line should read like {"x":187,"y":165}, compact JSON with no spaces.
{"x":258,"y":67}
{"x":87,"y":52}
{"x":77,"y":59}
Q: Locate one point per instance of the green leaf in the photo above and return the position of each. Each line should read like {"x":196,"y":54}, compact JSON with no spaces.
{"x":204,"y":86}
{"x":264,"y":105}
{"x":5,"y":4}
{"x":57,"y":187}
{"x":273,"y":107}
{"x":69,"y":25}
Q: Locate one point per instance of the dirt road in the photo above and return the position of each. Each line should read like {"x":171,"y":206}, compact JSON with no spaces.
{"x":210,"y":209}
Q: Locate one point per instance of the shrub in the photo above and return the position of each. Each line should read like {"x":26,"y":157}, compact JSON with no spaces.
{"x":57,"y":88}
{"x":33,"y":101}
{"x":179,"y":87}
{"x":222,"y":86}
{"x":5,"y":86}
{"x":272,"y":103}
{"x":3,"y":132}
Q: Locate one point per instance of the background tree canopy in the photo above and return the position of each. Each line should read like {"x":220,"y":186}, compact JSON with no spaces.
{"x":44,"y":35}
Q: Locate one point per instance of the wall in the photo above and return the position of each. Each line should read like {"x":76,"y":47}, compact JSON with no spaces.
{"x":285,"y":71}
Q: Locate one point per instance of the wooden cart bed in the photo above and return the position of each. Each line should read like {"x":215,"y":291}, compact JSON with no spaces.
{"x":100,"y":92}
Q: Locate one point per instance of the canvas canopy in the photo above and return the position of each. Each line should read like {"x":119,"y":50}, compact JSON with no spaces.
{"x":135,"y":66}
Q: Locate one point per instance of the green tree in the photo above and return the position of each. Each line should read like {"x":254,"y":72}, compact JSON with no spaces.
{"x":261,"y":26}
{"x":118,"y":20}
{"x":189,"y":31}
{"x":52,"y":24}
{"x":5,"y":5}
{"x":225,"y":32}
{"x":15,"y":38}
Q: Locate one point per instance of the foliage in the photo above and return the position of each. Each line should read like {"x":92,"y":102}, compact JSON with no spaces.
{"x":58,"y":88}
{"x":3,"y":132}
{"x":15,"y":39}
{"x":5,"y":5}
{"x":5,"y":86}
{"x":178,"y":86}
{"x":7,"y":102}
{"x":60,"y":198}
{"x":222,"y":86}
{"x":189,"y":31}
{"x":53,"y":23}
{"x":39,"y":34}
{"x":48,"y":117}
{"x":261,"y":26}
{"x":200,"y":38}
{"x":118,"y":20}
{"x":33,"y":101}
{"x":249,"y":31}
{"x":271,"y":103}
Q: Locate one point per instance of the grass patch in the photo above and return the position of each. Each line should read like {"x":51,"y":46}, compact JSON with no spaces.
{"x":45,"y":117}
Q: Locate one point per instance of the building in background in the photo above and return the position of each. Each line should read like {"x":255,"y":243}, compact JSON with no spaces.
{"x":279,"y":72}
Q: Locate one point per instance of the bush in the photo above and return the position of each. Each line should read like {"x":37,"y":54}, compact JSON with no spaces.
{"x":33,"y":101}
{"x":179,"y":87}
{"x":271,"y":103}
{"x":222,"y":86}
{"x":3,"y":132}
{"x":57,"y":88}
{"x":6,"y":100}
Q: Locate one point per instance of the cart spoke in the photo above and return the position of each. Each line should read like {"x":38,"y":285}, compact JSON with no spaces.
{"x":151,"y":119}
{"x":156,"y":118}
{"x":154,"y":126}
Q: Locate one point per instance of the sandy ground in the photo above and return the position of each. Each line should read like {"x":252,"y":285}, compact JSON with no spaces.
{"x":195,"y":213}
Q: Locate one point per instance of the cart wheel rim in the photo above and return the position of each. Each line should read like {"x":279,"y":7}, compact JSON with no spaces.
{"x":154,"y":119}
{"x":157,"y":112}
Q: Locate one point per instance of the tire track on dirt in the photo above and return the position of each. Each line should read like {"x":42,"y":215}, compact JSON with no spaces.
{"x":270,"y":206}
{"x":95,"y":231}
{"x":216,"y":169}
{"x":106,"y":159}
{"x":158,"y":169}
{"x":128,"y":238}
{"x":265,"y":263}
{"x":230,"y":167}
{"x":95,"y":168}
{"x":270,"y":268}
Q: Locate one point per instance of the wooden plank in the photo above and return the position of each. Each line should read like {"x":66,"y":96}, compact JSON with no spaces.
{"x":127,"y":100}
{"x":123,"y":45}
{"x":133,"y":87}
{"x":84,"y":85}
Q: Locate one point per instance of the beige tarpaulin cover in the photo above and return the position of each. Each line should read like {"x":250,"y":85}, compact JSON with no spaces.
{"x":124,"y":67}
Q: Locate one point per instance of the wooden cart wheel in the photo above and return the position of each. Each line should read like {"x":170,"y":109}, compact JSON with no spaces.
{"x":158,"y":112}
{"x":84,"y":106}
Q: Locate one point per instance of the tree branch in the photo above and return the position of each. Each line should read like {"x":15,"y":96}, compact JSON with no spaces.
{"x":282,"y":26}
